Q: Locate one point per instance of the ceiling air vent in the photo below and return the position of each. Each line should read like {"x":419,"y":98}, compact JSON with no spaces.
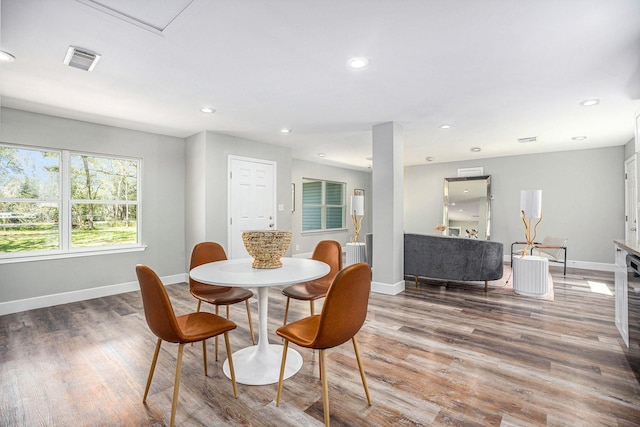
{"x":529,"y":139}
{"x":81,"y":58}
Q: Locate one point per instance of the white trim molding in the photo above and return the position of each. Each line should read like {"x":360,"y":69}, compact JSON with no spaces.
{"x":388,"y":288}
{"x":17,"y":306}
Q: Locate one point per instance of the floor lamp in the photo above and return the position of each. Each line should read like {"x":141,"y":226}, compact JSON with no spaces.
{"x":530,"y":207}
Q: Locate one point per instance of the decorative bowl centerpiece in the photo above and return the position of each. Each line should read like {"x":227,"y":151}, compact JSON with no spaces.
{"x":266,"y":246}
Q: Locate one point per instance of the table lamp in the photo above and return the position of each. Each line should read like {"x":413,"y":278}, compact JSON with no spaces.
{"x":357,"y":213}
{"x":530,"y":207}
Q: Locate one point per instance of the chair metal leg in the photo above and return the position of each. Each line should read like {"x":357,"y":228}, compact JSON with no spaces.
{"x":204,"y":355}
{"x":253,"y":338}
{"x":231,"y":370}
{"x":152,"y":369}
{"x":198,"y":311}
{"x":311,"y":306}
{"x":325,"y":387}
{"x":216,"y":338}
{"x":364,"y":379}
{"x":286,"y":311}
{"x":176,"y":385}
{"x":282,"y":365}
{"x":486,"y":285}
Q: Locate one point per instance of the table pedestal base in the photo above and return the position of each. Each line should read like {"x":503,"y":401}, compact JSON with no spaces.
{"x":257,"y":365}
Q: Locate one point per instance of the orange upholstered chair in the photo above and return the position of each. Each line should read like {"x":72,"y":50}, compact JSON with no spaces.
{"x":327,"y":251}
{"x":343,"y":314}
{"x":206,"y":252}
{"x":183,"y":329}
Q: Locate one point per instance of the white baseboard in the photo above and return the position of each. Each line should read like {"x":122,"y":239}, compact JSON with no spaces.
{"x":17,"y":306}
{"x":387,"y":288}
{"x":585,"y":265}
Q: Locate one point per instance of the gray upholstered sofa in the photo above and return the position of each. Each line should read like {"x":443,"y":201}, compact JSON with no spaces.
{"x":452,"y":258}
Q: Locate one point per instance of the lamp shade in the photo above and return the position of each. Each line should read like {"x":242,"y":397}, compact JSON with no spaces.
{"x":357,"y":205}
{"x":531,"y":203}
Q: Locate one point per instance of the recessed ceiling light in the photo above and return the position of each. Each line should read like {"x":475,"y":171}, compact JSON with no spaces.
{"x":207,"y":110}
{"x":476,"y":149}
{"x":321,"y":155}
{"x":445,"y":126}
{"x":465,"y":191}
{"x":6,"y":56}
{"x":590,"y":102}
{"x":358,"y":63}
{"x":579,"y":138}
{"x":429,"y":159}
{"x":285,"y":130}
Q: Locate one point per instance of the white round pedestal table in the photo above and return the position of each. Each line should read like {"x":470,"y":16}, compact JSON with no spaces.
{"x":260,"y":364}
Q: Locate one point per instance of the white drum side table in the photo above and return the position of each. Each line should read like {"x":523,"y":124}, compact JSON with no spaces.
{"x":530,"y":275}
{"x":356,"y":252}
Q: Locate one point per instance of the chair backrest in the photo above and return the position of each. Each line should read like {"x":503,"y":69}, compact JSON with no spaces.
{"x":552,"y":252}
{"x":203,"y":253}
{"x":345,"y":307}
{"x":329,"y":252}
{"x":157,"y":305}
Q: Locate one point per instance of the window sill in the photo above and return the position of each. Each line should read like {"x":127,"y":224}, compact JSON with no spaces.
{"x":331,"y":230}
{"x":72,"y":254}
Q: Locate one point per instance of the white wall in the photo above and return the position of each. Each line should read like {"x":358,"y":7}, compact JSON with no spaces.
{"x":207,"y":175}
{"x":195,"y":192}
{"x":162,"y":211}
{"x":304,"y":243}
{"x":582,"y":198}
{"x":184,"y":191}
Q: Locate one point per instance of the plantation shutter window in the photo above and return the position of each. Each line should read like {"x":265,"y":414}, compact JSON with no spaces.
{"x":323,"y":205}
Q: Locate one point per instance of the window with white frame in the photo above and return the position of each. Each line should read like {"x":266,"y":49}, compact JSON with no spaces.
{"x":323,"y":205}
{"x":57,"y":201}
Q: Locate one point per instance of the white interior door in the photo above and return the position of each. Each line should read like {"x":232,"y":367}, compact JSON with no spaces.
{"x":252,"y":200}
{"x":631,"y":200}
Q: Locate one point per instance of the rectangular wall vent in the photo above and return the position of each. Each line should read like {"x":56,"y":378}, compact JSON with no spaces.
{"x":81,"y":58}
{"x":529,"y":139}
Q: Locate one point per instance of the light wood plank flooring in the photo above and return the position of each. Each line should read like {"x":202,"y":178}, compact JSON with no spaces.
{"x":434,"y":355}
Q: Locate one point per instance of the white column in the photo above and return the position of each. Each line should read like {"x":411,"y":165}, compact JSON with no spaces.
{"x":388,"y":209}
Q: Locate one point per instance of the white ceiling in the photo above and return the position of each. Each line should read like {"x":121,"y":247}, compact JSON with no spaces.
{"x":495,"y":70}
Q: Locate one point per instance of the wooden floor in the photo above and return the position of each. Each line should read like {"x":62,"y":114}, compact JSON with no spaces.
{"x":433,"y":355}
